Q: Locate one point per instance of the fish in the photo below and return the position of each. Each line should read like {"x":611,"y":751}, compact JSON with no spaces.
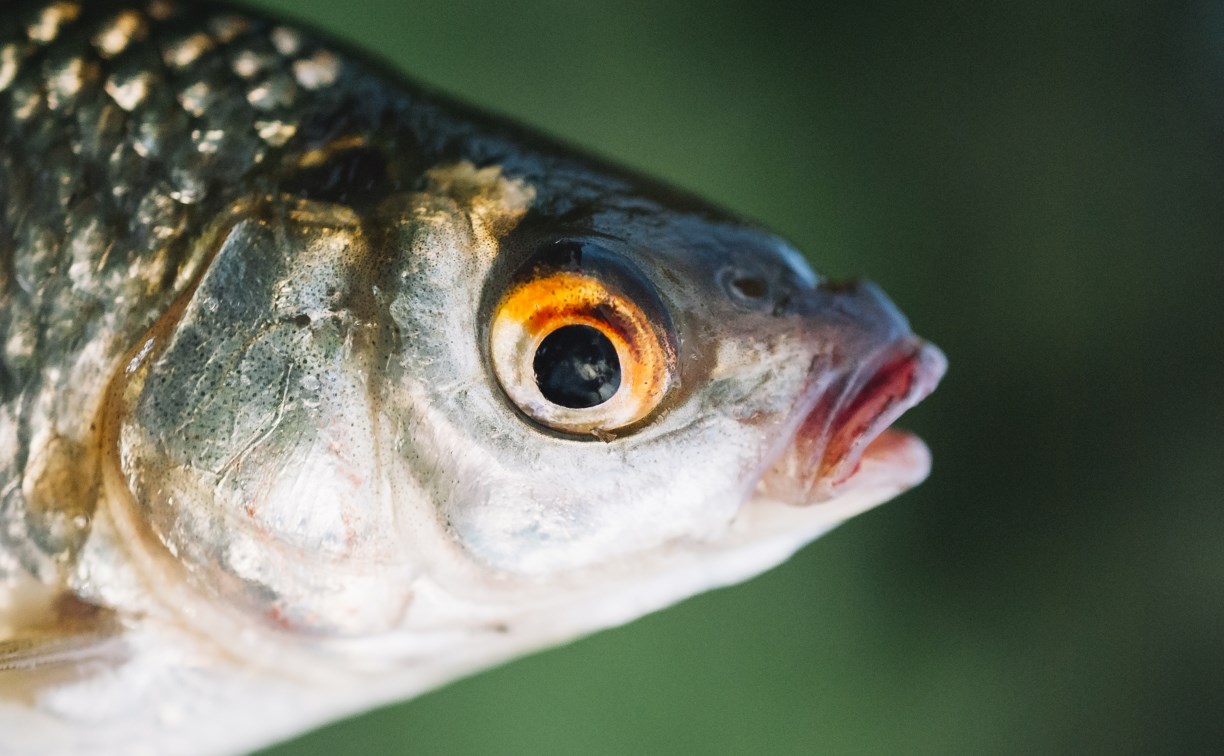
{"x":320,"y":390}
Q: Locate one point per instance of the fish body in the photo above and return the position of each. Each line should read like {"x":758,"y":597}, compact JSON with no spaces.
{"x":318,"y":390}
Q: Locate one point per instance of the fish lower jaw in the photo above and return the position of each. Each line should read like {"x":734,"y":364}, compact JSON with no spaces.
{"x":845,"y":440}
{"x":780,"y":517}
{"x":895,"y":460}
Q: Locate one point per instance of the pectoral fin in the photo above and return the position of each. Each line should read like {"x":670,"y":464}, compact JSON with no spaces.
{"x":55,"y":638}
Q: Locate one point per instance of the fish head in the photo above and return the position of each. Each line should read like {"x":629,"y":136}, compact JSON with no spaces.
{"x":484,"y":405}
{"x":613,"y":405}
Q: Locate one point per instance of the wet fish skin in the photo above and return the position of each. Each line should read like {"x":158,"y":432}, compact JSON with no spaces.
{"x":254,"y":466}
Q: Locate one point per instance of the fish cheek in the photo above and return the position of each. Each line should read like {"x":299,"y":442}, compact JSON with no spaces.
{"x":243,"y":434}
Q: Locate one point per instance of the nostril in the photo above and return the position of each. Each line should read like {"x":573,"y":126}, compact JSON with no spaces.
{"x":749,"y":287}
{"x":745,"y":287}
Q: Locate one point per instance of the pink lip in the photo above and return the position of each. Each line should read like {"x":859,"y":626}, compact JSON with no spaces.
{"x":851,"y":421}
{"x":904,"y":378}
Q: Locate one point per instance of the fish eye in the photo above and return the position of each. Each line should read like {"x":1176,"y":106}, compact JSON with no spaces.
{"x":579,"y":341}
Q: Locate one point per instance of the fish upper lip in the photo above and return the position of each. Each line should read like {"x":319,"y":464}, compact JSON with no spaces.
{"x":850,"y":418}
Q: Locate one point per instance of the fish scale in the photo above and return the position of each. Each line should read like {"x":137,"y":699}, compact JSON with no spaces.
{"x":283,"y":433}
{"x":104,"y":192}
{"x":121,"y":138}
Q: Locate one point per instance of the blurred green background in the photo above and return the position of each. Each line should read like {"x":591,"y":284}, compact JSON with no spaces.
{"x":1040,"y":186}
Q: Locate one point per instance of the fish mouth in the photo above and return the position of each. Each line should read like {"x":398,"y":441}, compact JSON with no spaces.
{"x":844,"y":439}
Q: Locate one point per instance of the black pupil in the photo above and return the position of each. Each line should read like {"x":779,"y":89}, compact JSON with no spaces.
{"x":576,"y":367}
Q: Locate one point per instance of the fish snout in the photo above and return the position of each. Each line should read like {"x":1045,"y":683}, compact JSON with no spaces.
{"x":861,"y":309}
{"x":870,"y":368}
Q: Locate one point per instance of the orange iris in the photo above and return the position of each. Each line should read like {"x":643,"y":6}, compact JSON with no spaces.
{"x":533,"y":309}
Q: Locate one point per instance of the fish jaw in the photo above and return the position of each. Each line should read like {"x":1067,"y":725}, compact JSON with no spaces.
{"x":844,"y":439}
{"x":841,"y":458}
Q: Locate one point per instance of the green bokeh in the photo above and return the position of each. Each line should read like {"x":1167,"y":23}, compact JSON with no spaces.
{"x":1040,"y":186}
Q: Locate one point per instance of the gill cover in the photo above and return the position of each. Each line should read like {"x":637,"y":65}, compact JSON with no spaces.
{"x":245,"y":429}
